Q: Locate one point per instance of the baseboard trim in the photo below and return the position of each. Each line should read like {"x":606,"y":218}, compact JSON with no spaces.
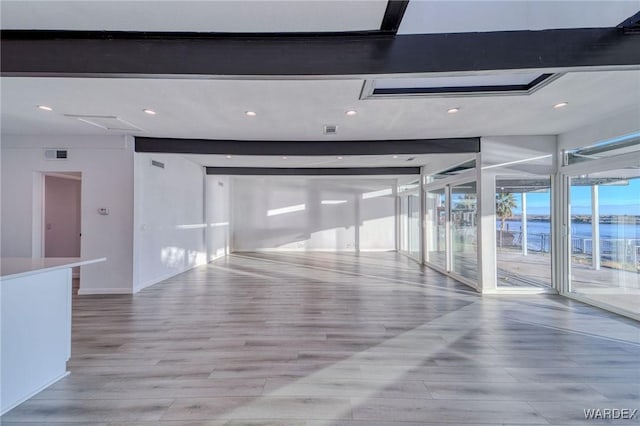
{"x":90,"y":291}
{"x":217,"y":257}
{"x":161,"y":278}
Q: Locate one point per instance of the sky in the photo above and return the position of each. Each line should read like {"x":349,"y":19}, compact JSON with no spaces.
{"x":614,"y":200}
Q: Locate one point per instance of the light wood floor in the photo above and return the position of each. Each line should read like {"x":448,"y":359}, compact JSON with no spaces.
{"x":336,"y":339}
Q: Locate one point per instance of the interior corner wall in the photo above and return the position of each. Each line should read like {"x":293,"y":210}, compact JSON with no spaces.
{"x":312,"y":214}
{"x":169,"y":223}
{"x":106,"y":164}
{"x":519,"y":154}
{"x":440,"y":162}
{"x":620,"y":124}
{"x":217,"y":208}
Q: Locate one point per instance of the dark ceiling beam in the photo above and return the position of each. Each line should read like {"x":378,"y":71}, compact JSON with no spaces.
{"x":300,"y":171}
{"x":308,"y":56}
{"x":393,"y":15}
{"x":631,"y":25}
{"x":307,"y":148}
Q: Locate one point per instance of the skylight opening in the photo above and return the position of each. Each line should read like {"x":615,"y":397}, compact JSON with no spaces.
{"x":460,"y":85}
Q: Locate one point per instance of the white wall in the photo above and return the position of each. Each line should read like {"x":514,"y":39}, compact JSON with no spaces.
{"x":440,"y":162}
{"x":62,"y":217}
{"x":169,"y":223}
{"x":260,"y":220}
{"x":169,"y":236}
{"x":106,"y":164}
{"x":217,"y":206}
{"x":519,"y":154}
{"x":623,"y":123}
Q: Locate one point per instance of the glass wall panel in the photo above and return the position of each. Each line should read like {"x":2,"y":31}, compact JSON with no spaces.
{"x":436,"y":219}
{"x":614,"y":147}
{"x":523,"y":231}
{"x":605,"y":237}
{"x":464,"y":232}
{"x":414,"y":225}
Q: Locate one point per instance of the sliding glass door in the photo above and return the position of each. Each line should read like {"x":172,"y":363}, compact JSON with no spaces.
{"x":464,"y":230}
{"x":436,"y":229}
{"x":523,"y":232}
{"x":451,"y":226}
{"x":601,"y":260}
{"x":604,"y":235}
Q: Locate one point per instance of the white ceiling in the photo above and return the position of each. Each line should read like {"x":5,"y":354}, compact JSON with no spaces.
{"x":298,"y":109}
{"x":421,"y":16}
{"x":195,"y":16}
{"x":459,"y":16}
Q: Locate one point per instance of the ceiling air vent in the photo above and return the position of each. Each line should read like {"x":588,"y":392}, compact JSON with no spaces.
{"x":107,"y":122}
{"x":330,"y":129}
{"x":55,"y":154}
{"x":157,"y":164}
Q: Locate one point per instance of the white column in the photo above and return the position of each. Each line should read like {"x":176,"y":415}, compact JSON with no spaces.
{"x":595,"y":228}
{"x":206,"y":213}
{"x":447,"y":231}
{"x":357,"y":198}
{"x":523,"y":221}
{"x":487,"y":257}
{"x":396,"y":217}
{"x":423,"y":212}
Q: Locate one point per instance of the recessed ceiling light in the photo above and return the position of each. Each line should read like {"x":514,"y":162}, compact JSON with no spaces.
{"x":284,"y":158}
{"x":250,"y":113}
{"x":228,"y":156}
{"x":395,"y":156}
{"x":339,"y":158}
{"x":45,"y":108}
{"x":561,"y":105}
{"x":149,"y":111}
{"x":453,"y":110}
{"x":351,"y":112}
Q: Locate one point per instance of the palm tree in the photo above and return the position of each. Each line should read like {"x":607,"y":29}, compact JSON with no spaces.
{"x":505,"y":203}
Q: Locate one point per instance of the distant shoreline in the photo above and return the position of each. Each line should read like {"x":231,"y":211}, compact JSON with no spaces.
{"x":604,"y":219}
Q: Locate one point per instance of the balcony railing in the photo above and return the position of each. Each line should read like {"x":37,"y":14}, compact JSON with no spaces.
{"x":622,"y":251}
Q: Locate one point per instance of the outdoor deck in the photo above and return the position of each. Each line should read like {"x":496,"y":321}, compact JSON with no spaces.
{"x":608,"y":285}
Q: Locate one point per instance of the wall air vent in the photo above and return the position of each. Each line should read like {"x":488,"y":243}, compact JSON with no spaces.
{"x":56,"y":154}
{"x":157,"y":164}
{"x":107,"y":122}
{"x":330,"y":129}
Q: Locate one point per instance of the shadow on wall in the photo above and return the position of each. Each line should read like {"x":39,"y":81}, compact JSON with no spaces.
{"x":313,"y":214}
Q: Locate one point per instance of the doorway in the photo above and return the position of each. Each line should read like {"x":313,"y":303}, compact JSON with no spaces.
{"x":62,"y":217}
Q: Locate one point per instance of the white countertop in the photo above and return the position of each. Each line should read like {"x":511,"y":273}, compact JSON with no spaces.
{"x":15,"y":267}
